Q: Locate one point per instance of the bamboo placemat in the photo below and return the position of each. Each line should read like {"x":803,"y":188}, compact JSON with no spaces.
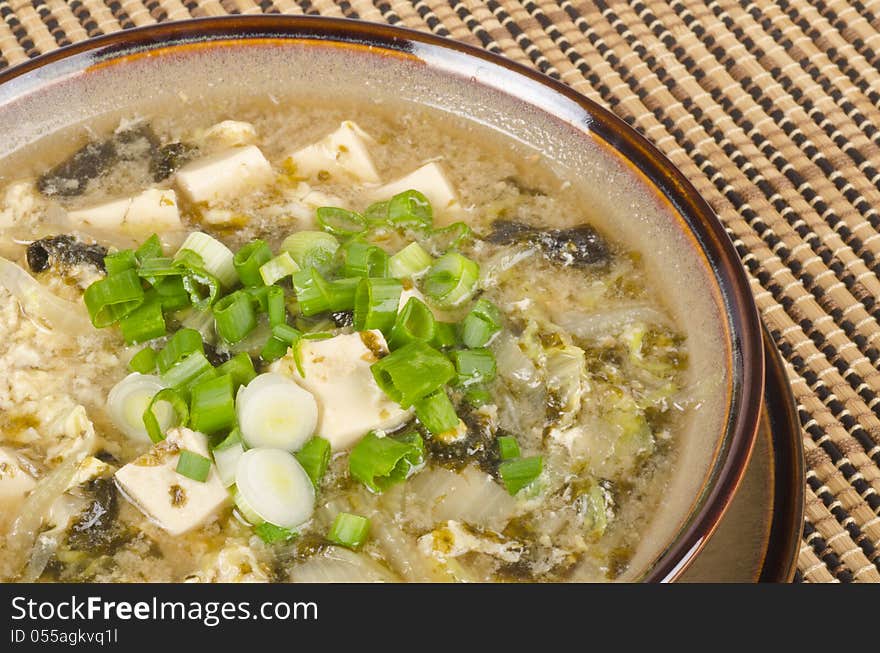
{"x":771,"y":109}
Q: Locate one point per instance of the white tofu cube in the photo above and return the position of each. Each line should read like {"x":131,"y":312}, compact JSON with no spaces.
{"x":231,"y":133}
{"x":225,"y":175}
{"x":337,"y":373}
{"x":176,"y":503}
{"x":343,"y":152}
{"x":432,"y":182}
{"x":153,"y":210}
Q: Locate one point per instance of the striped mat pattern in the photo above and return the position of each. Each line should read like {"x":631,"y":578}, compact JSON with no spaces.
{"x":771,"y":109}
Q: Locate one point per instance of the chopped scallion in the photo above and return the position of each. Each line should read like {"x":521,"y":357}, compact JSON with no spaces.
{"x":312,"y":249}
{"x":113,"y":297}
{"x":124,"y":259}
{"x":445,"y":335}
{"x":216,"y":257}
{"x":411,"y":261}
{"x":474,"y":366}
{"x":181,"y":344}
{"x":315,"y":458}
{"x":272,"y":534}
{"x":361,"y":259}
{"x":508,"y":448}
{"x":517,"y":473}
{"x":410,"y":208}
{"x":436,"y":412}
{"x":150,"y":248}
{"x":412,"y":372}
{"x":241,"y":368}
{"x":379,"y":462}
{"x":375,"y":304}
{"x":279,"y":267}
{"x":144,"y":361}
{"x":340,"y":222}
{"x":349,"y":530}
{"x":452,"y":280}
{"x":249,"y":259}
{"x":144,"y":323}
{"x":414,"y":323}
{"x":212,"y":406}
{"x":193,"y":465}
{"x":283,"y":337}
{"x":480,"y":324}
{"x":234,"y":317}
{"x":151,"y":422}
{"x":184,"y":373}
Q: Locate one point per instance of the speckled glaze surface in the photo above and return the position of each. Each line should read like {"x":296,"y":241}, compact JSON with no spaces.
{"x":745,"y":356}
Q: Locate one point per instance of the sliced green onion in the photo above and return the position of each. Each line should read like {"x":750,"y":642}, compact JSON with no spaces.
{"x":226,"y":457}
{"x":411,"y":261}
{"x":144,"y":323}
{"x":312,"y":249}
{"x":445,"y":335}
{"x":412,"y":372}
{"x":379,"y":462}
{"x":234,"y":317}
{"x":248,"y":260}
{"x":212,"y":406}
{"x":150,"y":248}
{"x":520,"y":472}
{"x":217,"y":259}
{"x":340,"y":222}
{"x":272,"y":534}
{"x":477,"y":396}
{"x":410,"y":208}
{"x":113,"y":297}
{"x":452,"y":280}
{"x":202,"y":286}
{"x":241,"y":368}
{"x":377,"y":213}
{"x":193,"y":465}
{"x":144,"y":361}
{"x":273,"y":487}
{"x":451,"y":237}
{"x":474,"y":366}
{"x":375,"y":304}
{"x":436,"y":412}
{"x":172,"y":293}
{"x":414,"y":323}
{"x":275,"y":306}
{"x":274,"y":411}
{"x":155,"y":269}
{"x":283,"y":338}
{"x":361,"y":259}
{"x":128,"y":400}
{"x":120,"y":261}
{"x":151,"y":422}
{"x":180,"y":345}
{"x":201,"y":321}
{"x":508,"y":448}
{"x":349,"y":530}
{"x":315,"y":458}
{"x":279,"y":267}
{"x":188,"y":370}
{"x":480,"y":324}
{"x":317,"y":295}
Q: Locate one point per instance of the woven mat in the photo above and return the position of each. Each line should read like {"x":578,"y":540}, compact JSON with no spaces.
{"x":771,"y":109}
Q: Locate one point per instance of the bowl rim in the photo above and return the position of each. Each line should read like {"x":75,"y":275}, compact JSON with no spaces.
{"x":743,"y":326}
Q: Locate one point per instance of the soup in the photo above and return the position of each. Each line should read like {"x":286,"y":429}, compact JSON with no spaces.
{"x":292,"y":346}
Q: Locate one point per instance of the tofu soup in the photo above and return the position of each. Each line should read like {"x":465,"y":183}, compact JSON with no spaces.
{"x":308,"y":344}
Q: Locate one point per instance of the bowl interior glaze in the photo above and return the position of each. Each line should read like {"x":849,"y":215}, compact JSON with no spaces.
{"x":647,"y":202}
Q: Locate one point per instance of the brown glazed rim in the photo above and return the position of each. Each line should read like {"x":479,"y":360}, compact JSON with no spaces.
{"x":711,"y":241}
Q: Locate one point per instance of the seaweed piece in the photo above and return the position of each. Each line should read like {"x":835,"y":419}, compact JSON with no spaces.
{"x":66,"y":250}
{"x":71,"y":177}
{"x":342,"y":318}
{"x":96,"y":529}
{"x":168,"y":158}
{"x":215,"y":356}
{"x":479,"y":445}
{"x":581,"y":246}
